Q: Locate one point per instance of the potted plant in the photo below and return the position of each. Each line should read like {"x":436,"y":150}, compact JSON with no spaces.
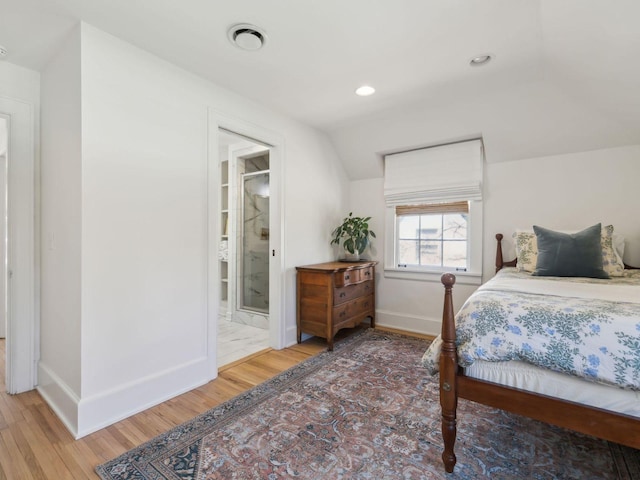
{"x":355,"y":236}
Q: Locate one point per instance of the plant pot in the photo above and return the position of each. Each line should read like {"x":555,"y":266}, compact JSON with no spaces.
{"x":352,"y":257}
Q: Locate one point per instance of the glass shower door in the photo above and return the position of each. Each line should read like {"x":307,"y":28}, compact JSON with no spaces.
{"x":254,"y":279}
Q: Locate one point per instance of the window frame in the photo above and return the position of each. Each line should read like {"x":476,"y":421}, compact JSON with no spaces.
{"x":473,"y":274}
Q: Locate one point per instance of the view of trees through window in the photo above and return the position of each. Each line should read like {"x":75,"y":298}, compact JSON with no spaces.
{"x":435,"y":240}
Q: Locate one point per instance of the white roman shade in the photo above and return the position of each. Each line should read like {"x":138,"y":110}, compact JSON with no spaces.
{"x":446,"y":173}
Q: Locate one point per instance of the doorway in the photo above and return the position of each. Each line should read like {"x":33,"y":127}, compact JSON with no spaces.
{"x":20,"y":247}
{"x":244,"y":323}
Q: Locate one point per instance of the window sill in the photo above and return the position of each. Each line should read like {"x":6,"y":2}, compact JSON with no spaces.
{"x":462,"y":278}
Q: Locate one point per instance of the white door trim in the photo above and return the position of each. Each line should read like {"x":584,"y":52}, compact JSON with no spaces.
{"x":4,"y":122}
{"x":276,"y":227}
{"x":22,"y":339}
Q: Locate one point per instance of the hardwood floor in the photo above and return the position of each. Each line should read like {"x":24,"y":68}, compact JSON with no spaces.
{"x":34,"y":444}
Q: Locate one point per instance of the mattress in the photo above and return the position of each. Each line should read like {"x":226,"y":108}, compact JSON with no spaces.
{"x":528,"y":377}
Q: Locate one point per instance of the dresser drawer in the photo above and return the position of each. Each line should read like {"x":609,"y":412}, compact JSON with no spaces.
{"x":364,"y":305}
{"x":347,"y":311}
{"x":345,"y":294}
{"x":366,"y":274}
{"x":349,"y":277}
{"x":341,"y":279}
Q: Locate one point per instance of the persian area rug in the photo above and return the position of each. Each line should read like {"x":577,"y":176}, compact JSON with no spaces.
{"x":368,"y":410}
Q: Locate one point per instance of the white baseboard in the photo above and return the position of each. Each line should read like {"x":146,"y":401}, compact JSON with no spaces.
{"x":409,"y":323}
{"x":60,"y":397}
{"x":291,"y":336}
{"x":83,"y":416}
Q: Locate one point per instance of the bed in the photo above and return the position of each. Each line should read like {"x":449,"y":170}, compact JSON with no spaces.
{"x":600,"y":384}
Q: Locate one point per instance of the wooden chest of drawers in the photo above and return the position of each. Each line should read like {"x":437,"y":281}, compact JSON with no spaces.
{"x":334,"y":295}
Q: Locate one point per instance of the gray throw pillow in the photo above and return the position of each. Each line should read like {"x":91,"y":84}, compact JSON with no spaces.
{"x":569,"y":254}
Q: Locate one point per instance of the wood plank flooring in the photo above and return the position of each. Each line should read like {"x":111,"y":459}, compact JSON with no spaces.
{"x":34,"y":444}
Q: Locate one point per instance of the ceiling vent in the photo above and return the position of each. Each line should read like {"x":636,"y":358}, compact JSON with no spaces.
{"x":480,"y":60}
{"x":247,"y":37}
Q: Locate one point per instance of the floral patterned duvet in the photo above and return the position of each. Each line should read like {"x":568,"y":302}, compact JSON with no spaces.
{"x":584,"y":327}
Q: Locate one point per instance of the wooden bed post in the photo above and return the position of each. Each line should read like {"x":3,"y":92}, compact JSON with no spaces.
{"x":448,"y":377}
{"x":499,"y":261}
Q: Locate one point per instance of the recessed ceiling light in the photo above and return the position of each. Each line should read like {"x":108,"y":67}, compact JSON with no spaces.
{"x":365,"y":91}
{"x":480,"y":60}
{"x":247,"y":37}
{"x":3,"y":51}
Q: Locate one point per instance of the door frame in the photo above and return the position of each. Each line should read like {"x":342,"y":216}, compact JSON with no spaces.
{"x":22,"y":306}
{"x":275,"y":142}
{"x":4,"y":136}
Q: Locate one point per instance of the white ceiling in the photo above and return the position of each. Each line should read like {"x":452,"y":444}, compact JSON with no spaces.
{"x":582,"y":54}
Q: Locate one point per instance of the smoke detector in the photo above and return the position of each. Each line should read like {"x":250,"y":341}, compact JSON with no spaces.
{"x":3,"y":52}
{"x":247,"y":37}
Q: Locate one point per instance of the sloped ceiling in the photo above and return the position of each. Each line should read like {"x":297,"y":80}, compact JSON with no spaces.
{"x":564,"y":78}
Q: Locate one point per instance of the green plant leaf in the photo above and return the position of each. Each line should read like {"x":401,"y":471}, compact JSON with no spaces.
{"x":354,"y":234}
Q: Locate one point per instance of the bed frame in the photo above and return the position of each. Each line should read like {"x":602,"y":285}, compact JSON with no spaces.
{"x":454,"y":384}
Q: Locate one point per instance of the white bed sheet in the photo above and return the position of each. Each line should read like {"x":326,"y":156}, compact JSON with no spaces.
{"x":528,"y":377}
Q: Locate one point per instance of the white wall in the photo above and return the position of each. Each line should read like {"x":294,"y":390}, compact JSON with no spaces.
{"x":143,"y":217}
{"x":571,"y":191}
{"x":315,"y":201}
{"x":60,"y":365}
{"x":144,"y":230}
{"x":20,"y":83}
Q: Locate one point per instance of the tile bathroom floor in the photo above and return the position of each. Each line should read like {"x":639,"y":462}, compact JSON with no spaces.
{"x":236,"y":341}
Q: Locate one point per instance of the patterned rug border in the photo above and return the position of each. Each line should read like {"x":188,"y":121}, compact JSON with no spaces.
{"x":215,"y":417}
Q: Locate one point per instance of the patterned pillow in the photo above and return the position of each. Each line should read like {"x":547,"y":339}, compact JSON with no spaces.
{"x":527,"y":252}
{"x":611,"y":261}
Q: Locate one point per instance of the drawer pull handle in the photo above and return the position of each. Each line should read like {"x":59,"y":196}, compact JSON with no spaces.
{"x":366,"y":274}
{"x":342,"y":294}
{"x":342,"y":314}
{"x":366,"y":304}
{"x":347,"y":277}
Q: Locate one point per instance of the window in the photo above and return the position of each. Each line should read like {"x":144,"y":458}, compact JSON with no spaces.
{"x":433,"y":218}
{"x":433,"y":236}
